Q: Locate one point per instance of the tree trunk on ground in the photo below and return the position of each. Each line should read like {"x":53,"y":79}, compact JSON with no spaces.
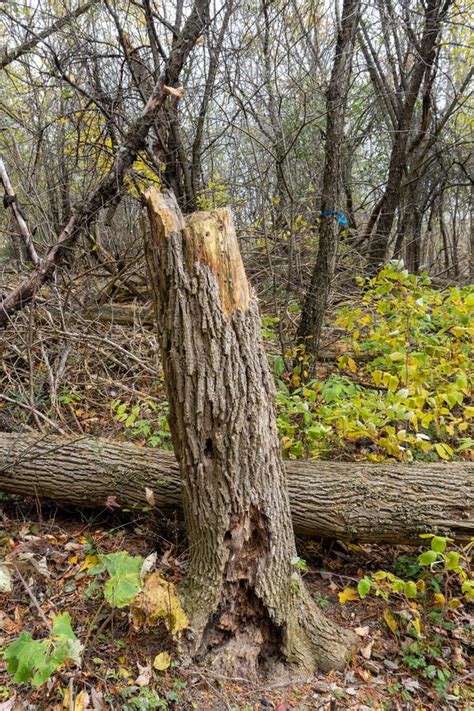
{"x":317,"y":297}
{"x":354,"y":501}
{"x":247,"y":604}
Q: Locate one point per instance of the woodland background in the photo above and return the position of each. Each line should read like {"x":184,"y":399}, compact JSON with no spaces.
{"x":350,"y":184}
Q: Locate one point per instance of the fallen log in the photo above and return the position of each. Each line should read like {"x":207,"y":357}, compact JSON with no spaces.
{"x":385,"y":503}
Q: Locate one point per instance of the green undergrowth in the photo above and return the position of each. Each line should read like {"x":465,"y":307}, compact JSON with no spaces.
{"x":426,"y":601}
{"x":400,"y":387}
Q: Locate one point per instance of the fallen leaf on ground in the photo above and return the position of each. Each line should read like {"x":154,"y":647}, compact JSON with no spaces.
{"x":144,"y":678}
{"x":348,"y":594}
{"x":162,"y":661}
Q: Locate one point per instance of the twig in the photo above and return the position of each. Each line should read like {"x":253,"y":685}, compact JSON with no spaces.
{"x":33,"y":598}
{"x":10,"y":200}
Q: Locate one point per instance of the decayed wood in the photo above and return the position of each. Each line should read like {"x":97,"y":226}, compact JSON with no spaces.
{"x":381,"y":503}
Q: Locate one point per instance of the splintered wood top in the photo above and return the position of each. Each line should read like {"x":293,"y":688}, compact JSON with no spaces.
{"x":208,"y":238}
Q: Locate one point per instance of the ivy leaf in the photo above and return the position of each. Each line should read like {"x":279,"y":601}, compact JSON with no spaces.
{"x":363,"y":587}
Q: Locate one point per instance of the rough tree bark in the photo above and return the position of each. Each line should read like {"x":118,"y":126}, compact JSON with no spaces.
{"x":353,"y":501}
{"x":317,"y":297}
{"x":247,"y":605}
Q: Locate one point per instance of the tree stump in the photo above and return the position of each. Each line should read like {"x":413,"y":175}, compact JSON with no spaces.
{"x":247,"y":604}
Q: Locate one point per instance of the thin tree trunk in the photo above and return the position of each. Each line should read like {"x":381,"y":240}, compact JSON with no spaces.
{"x":435,"y":13}
{"x":246,"y":601}
{"x":317,"y":297}
{"x":354,"y":501}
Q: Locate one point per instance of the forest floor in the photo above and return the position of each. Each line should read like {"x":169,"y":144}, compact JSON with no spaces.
{"x":53,"y":551}
{"x":101,"y":378}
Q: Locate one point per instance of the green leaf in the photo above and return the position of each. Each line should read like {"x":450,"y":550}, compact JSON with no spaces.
{"x":363,"y":587}
{"x":28,"y":660}
{"x":398,"y":586}
{"x":451,"y":560}
{"x":33,"y":661}
{"x":67,"y":646}
{"x":410,"y":589}
{"x":438,"y":544}
{"x":427,"y":558}
{"x":124,"y":583}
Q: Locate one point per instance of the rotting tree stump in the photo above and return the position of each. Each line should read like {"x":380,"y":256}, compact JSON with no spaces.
{"x":247,"y":604}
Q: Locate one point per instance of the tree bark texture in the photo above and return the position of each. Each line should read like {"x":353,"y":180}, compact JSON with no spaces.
{"x":353,"y":501}
{"x":247,"y":604}
{"x":317,"y":297}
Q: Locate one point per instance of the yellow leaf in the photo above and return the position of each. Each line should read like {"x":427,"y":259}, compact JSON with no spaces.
{"x":417,"y":625}
{"x":82,"y":701}
{"x":390,"y":620}
{"x":159,"y":600}
{"x":444,"y":450}
{"x":348,"y":594}
{"x":421,"y":586}
{"x":352,"y":365}
{"x":392,"y":384}
{"x":397,"y":356}
{"x":162,"y":661}
{"x":377,"y":376}
{"x":439,"y":599}
{"x":88,"y":562}
{"x":73,"y":560}
{"x":67,"y":698}
{"x":454,"y":603}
